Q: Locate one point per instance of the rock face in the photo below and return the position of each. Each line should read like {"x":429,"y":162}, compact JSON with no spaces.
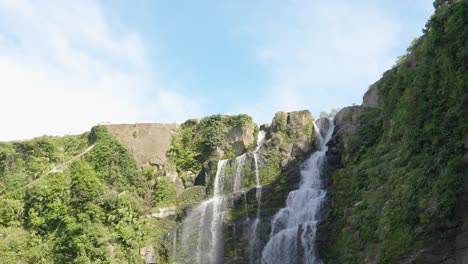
{"x":240,"y":139}
{"x":292,"y":123}
{"x":148,"y":143}
{"x":293,"y":132}
{"x":462,"y":245}
{"x":289,"y":139}
{"x":371,"y":98}
{"x":347,"y":122}
{"x":448,"y":244}
{"x":238,"y":231}
{"x":323,"y":125}
{"x":164,"y":212}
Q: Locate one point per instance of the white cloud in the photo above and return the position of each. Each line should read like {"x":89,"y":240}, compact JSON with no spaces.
{"x":321,"y":55}
{"x":63,"y":69}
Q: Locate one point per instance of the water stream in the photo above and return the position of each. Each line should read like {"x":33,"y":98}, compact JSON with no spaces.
{"x":293,"y":228}
{"x":202,"y":230}
{"x":254,"y":247}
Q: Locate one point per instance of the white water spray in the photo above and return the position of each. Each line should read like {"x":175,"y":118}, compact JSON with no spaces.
{"x":201,"y":234}
{"x":254,"y":251}
{"x":293,"y":229}
{"x":238,"y":176}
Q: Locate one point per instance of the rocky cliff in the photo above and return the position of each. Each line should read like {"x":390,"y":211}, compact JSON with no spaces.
{"x":397,"y":164}
{"x":148,"y":143}
{"x":288,"y":140}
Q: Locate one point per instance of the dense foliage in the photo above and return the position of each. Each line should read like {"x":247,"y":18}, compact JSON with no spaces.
{"x":197,"y":141}
{"x":24,"y":161}
{"x":406,"y":174}
{"x":90,"y":212}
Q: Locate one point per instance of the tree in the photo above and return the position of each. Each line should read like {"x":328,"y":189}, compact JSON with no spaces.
{"x":439,"y":3}
{"x":85,"y":185}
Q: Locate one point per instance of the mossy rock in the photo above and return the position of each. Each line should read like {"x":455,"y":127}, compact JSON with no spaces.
{"x":213,"y":137}
{"x":191,"y":195}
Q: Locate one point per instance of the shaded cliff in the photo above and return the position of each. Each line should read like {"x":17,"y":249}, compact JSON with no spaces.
{"x":397,"y":164}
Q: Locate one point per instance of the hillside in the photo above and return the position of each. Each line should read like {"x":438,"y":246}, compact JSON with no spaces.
{"x":399,"y":188}
{"x":383,"y":182}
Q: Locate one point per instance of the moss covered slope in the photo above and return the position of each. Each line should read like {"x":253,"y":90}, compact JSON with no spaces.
{"x":400,"y":190}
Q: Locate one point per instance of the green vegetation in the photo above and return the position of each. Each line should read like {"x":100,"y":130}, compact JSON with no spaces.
{"x":165,"y":193}
{"x":404,"y":172}
{"x":110,"y":159}
{"x":272,"y":170}
{"x":192,"y":195}
{"x":286,"y":124}
{"x":24,"y":161}
{"x":197,"y":141}
{"x":400,"y":184}
{"x":90,"y":212}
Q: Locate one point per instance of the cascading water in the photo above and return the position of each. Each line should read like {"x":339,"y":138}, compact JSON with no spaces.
{"x":293,"y":228}
{"x":201,"y":234}
{"x":258,"y":186}
{"x":254,"y":251}
{"x":238,"y":176}
{"x":202,"y":229}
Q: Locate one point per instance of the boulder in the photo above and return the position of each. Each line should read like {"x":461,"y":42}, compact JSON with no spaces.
{"x":172,"y":175}
{"x":293,"y":132}
{"x":189,"y":179}
{"x":164,"y":212}
{"x":179,"y":186}
{"x":240,"y":139}
{"x":295,"y":124}
{"x":298,"y":121}
{"x":219,"y":153}
{"x":148,"y":255}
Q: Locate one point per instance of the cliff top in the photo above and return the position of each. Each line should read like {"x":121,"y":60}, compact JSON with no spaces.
{"x":148,"y":142}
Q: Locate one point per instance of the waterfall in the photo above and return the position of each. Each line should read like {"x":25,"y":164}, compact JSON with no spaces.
{"x":201,"y":234}
{"x":174,"y":246}
{"x":238,"y":176}
{"x":293,"y":228}
{"x":253,"y":247}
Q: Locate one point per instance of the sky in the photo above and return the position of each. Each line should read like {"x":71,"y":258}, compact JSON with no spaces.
{"x":66,"y":66}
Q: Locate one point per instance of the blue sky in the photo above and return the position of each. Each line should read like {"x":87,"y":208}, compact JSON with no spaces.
{"x":68,"y":65}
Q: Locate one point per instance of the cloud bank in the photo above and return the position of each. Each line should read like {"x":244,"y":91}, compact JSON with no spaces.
{"x":64,"y":69}
{"x":320,"y":54}
{"x":65,"y":66}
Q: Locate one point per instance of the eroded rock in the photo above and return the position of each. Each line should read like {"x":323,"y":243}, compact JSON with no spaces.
{"x":148,"y":143}
{"x":240,"y":139}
